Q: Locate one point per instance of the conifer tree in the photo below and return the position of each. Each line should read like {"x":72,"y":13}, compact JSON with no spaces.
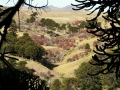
{"x":109,"y":37}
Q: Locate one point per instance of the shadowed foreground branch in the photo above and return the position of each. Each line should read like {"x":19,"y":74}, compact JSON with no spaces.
{"x":10,"y":78}
{"x":107,"y":54}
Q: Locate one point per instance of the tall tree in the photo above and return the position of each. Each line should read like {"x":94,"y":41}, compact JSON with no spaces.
{"x":109,"y":37}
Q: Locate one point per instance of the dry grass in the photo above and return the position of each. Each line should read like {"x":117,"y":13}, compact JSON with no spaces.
{"x":64,"y":68}
{"x":57,"y":15}
{"x":52,"y":47}
{"x":38,"y":67}
{"x":20,"y":34}
{"x":76,"y":50}
{"x":67,"y":69}
{"x":61,"y":17}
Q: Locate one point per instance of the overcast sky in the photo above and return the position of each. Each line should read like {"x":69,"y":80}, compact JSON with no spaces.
{"x":56,"y":3}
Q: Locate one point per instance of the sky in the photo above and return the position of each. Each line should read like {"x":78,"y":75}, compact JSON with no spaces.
{"x":56,"y":3}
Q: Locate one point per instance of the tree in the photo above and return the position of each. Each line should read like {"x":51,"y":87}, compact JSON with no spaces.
{"x":11,"y":38}
{"x":16,"y":48}
{"x":24,"y":39}
{"x":29,"y":48}
{"x":34,"y":14}
{"x":56,"y":85}
{"x":28,"y":20}
{"x":12,"y":31}
{"x":31,"y":52}
{"x":70,"y":84}
{"x":109,"y":37}
{"x":8,"y":48}
{"x":20,"y":79}
{"x":63,"y":26}
{"x":87,"y":46}
{"x":21,"y":66}
{"x":42,"y":20}
{"x":109,"y":81}
{"x":86,"y":81}
{"x":82,"y":25}
{"x":12,"y":62}
{"x":73,"y":29}
{"x":49,"y":23}
{"x":32,"y":19}
{"x":21,"y":51}
{"x":17,"y":80}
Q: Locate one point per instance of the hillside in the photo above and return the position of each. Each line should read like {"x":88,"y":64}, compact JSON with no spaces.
{"x":60,"y":16}
{"x":66,"y":66}
{"x":66,"y":8}
{"x":41,"y":70}
{"x":59,"y":48}
{"x":68,"y":69}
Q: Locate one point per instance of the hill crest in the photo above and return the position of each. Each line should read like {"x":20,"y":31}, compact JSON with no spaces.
{"x":51,"y":7}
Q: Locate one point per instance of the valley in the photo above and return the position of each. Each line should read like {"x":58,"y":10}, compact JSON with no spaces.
{"x":58,"y":47}
{"x":65,"y":67}
{"x":64,"y":38}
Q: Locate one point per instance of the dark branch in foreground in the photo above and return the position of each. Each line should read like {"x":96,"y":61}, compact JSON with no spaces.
{"x":107,"y":54}
{"x":16,"y":80}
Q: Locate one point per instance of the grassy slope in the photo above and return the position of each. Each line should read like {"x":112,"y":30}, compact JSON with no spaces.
{"x":68,"y":68}
{"x":60,"y":17}
{"x":76,"y":50}
{"x":38,"y":67}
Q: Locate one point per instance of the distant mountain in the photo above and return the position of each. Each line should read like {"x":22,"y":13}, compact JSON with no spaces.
{"x":51,"y":7}
{"x":69,"y":7}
